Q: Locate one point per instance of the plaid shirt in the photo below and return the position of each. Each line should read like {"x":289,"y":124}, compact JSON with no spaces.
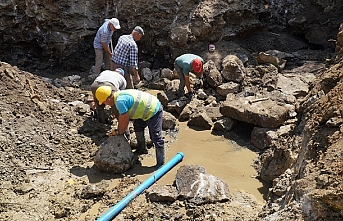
{"x":126,"y":52}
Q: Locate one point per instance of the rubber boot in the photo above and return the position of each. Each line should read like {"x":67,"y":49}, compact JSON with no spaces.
{"x":141,"y":144}
{"x":159,"y":157}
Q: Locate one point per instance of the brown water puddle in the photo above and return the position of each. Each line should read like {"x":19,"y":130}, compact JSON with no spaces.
{"x":219,"y":156}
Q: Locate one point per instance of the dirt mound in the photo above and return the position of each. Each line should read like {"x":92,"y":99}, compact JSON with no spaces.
{"x":39,"y":141}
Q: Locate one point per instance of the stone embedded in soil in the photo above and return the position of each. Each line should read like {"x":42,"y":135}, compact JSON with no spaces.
{"x":165,"y":193}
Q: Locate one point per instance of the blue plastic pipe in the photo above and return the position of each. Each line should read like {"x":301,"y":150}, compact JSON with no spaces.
{"x":113,"y":211}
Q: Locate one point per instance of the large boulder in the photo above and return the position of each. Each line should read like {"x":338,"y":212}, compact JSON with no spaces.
{"x":114,"y":155}
{"x":194,"y":185}
{"x":263,"y":112}
{"x":233,"y":68}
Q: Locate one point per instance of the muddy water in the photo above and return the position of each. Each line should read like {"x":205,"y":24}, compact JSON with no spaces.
{"x":219,"y":156}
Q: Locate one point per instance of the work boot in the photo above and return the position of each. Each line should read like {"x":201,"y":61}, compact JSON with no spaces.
{"x":159,"y":157}
{"x":141,"y":144}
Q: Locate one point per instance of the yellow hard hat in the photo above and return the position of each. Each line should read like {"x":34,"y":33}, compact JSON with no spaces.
{"x":102,"y":93}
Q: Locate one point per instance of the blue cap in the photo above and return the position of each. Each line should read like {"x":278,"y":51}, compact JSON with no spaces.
{"x":120,"y":70}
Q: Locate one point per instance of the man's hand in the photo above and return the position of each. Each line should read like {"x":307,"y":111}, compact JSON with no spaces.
{"x":137,"y":78}
{"x":136,"y":74}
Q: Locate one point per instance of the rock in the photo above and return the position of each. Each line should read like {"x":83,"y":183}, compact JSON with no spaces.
{"x":194,"y":185}
{"x":165,"y":97}
{"x":275,"y":162}
{"x":282,"y":183}
{"x":263,"y":58}
{"x":173,"y":86}
{"x":201,"y":95}
{"x":71,"y":81}
{"x":259,"y":138}
{"x":159,"y":84}
{"x":214,"y":77}
{"x":211,"y":100}
{"x":169,"y":121}
{"x":201,"y":120}
{"x":230,"y":87}
{"x":263,"y":138}
{"x":90,"y":191}
{"x":185,"y":113}
{"x":233,"y":69}
{"x":114,"y":155}
{"x":280,"y":54}
{"x":212,"y":112}
{"x":176,"y":106}
{"x":158,"y":193}
{"x":334,"y":122}
{"x":25,"y":188}
{"x":194,"y":106}
{"x":224,"y":125}
{"x":292,"y":85}
{"x":169,"y":74}
{"x":147,"y":74}
{"x":257,"y":111}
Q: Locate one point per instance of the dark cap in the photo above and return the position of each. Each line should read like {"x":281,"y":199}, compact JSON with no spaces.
{"x":139,"y":30}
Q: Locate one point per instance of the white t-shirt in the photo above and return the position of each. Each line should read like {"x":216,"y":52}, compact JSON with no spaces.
{"x":116,"y":78}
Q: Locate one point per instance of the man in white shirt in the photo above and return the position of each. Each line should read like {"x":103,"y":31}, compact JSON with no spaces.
{"x":115,"y":79}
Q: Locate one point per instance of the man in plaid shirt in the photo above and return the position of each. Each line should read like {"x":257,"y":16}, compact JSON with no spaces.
{"x":125,"y":55}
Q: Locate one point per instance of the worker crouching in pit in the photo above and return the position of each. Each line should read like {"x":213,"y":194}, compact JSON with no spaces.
{"x":144,"y":109}
{"x":116,"y":81}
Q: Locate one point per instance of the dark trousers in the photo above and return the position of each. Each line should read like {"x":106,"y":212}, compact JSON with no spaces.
{"x":155,"y":128}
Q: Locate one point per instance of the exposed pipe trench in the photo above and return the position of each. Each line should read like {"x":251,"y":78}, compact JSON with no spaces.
{"x":113,"y":211}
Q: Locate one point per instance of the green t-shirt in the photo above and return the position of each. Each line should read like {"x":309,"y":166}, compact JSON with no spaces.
{"x":185,"y":60}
